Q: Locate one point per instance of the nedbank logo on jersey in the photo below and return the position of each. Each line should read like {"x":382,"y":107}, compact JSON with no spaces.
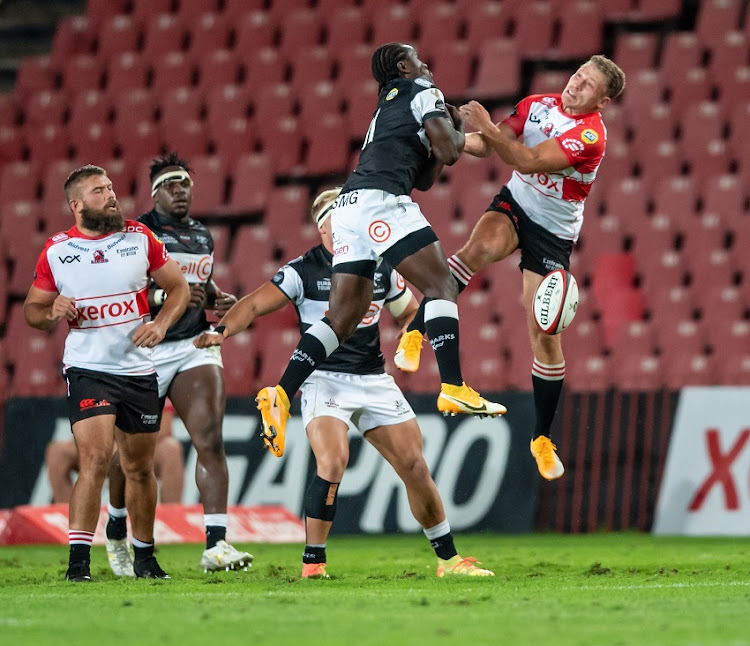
{"x":392,"y":94}
{"x":589,"y":136}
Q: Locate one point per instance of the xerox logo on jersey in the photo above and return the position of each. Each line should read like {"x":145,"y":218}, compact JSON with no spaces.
{"x":103,"y":311}
{"x":196,"y":268}
{"x":98,"y":258}
{"x":589,"y":136}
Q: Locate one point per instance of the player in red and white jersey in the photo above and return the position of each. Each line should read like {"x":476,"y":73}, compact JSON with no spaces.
{"x":95,"y":276}
{"x":554,"y":143}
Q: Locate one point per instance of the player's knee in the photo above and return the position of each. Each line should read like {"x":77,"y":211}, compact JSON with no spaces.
{"x":413,"y":467}
{"x":208,"y":442}
{"x":320,"y":499}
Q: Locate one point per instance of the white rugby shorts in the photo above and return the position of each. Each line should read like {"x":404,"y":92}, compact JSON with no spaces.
{"x":174,"y":357}
{"x":363,"y":401}
{"x":367,"y":222}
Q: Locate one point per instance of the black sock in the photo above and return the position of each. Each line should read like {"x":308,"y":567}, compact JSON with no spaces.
{"x":142,"y":553}
{"x":417,"y":323}
{"x":315,"y":345}
{"x":79,"y":553}
{"x":441,"y":323}
{"x":117,"y":528}
{"x":443,"y":546}
{"x":314,"y":554}
{"x":214,"y":534}
{"x":547,"y":381}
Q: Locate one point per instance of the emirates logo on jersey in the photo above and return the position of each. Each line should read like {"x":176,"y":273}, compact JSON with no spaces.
{"x":98,"y":258}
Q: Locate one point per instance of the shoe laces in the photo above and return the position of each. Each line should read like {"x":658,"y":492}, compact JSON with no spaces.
{"x":547,"y":451}
{"x":413,"y":342}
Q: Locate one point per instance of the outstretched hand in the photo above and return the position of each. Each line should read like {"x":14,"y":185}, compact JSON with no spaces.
{"x":476,"y":115}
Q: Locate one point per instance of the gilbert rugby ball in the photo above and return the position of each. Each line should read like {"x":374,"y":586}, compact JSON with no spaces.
{"x":556,"y":301}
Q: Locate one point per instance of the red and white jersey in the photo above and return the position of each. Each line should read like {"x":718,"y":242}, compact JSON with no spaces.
{"x":108,"y":276}
{"x":555,"y":200}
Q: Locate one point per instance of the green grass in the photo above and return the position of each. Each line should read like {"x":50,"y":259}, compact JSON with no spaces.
{"x":594,"y":589}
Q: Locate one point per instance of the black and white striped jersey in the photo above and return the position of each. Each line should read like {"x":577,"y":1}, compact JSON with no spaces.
{"x":190,"y":243}
{"x":396,"y":147}
{"x":306,"y":281}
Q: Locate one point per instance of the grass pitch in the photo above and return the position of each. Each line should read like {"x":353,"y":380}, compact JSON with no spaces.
{"x":594,"y":589}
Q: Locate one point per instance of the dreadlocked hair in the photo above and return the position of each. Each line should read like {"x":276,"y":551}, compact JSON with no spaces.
{"x":385,"y":62}
{"x":160,"y":163}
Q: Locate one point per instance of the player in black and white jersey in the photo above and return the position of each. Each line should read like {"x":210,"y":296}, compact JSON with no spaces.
{"x":192,"y":378}
{"x":413,"y":133}
{"x":350,"y":387}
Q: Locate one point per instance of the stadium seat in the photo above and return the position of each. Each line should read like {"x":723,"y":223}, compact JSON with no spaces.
{"x":327,"y":145}
{"x":234,"y":10}
{"x":490,"y":19}
{"x":551,"y":82}
{"x":163,"y":34}
{"x":534,"y":23}
{"x":189,"y":136}
{"x":311,"y":64}
{"x":687,"y":85}
{"x":263,"y":66}
{"x":81,"y":73}
{"x":171,"y":69}
{"x":316,"y":100}
{"x":281,"y":140}
{"x":286,"y":211}
{"x":660,"y":159}
{"x":704,"y":234}
{"x":209,"y":31}
{"x":275,"y":345}
{"x":232,"y":136}
{"x":440,"y":24}
{"x":438,"y":205}
{"x":637,"y":372}
{"x":221,"y":235}
{"x":209,"y":174}
{"x":93,"y":141}
{"x":635,"y":50}
{"x":727,"y":53}
{"x":217,"y":68}
{"x":180,"y":102}
{"x":89,"y":107}
{"x":252,"y":179}
{"x":35,"y":74}
{"x":727,"y":303}
{"x":121,"y":174}
{"x":361,"y":101}
{"x":46,"y":107}
{"x":716,"y":18}
{"x":19,"y":181}
{"x":353,"y":66}
{"x":254,"y":31}
{"x":680,"y":50}
{"x":118,"y":34}
{"x":680,"y":369}
{"x":675,"y":197}
{"x":55,"y":210}
{"x":734,"y":85}
{"x":580,"y":31}
{"x":227,"y":102}
{"x":133,"y":106}
{"x":127,"y":71}
{"x":47,"y":142}
{"x":74,"y":35}
{"x":137,"y":140}
{"x":498,"y":73}
{"x":9,"y":110}
{"x":675,"y":337}
{"x":344,"y":25}
{"x":653,"y":11}
{"x":273,"y":101}
{"x":645,"y":90}
{"x":396,"y":23}
{"x":299,"y":28}
{"x":451,"y":65}
{"x":239,"y":358}
{"x":147,"y":10}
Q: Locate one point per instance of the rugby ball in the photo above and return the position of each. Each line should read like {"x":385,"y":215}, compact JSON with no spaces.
{"x":556,"y":301}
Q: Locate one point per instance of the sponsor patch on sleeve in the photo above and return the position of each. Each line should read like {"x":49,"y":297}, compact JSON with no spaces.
{"x":589,"y":136}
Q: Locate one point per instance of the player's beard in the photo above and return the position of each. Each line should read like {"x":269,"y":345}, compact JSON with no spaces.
{"x":102,"y":221}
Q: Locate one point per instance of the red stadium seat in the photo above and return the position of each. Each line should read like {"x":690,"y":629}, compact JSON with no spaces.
{"x":263,"y":66}
{"x":146,"y":10}
{"x":534,"y":23}
{"x":163,"y":34}
{"x":687,"y":85}
{"x":125,"y":71}
{"x":451,"y":65}
{"x":660,"y":159}
{"x":580,"y":32}
{"x":650,"y":11}
{"x":438,"y":205}
{"x":179,"y":103}
{"x":327,"y":145}
{"x":93,"y":141}
{"x":189,"y":136}
{"x":118,"y":34}
{"x":635,"y":51}
{"x":498,"y":73}
{"x":272,"y":102}
{"x":88,"y":107}
{"x":227,"y":102}
{"x":221,"y":236}
{"x":35,"y":74}
{"x":440,"y":24}
{"x":676,"y":337}
{"x":681,"y":369}
{"x":254,"y":31}
{"x":645,"y":90}
{"x":208,"y":32}
{"x":550,"y":82}
{"x":716,"y":18}
{"x":353,"y":65}
{"x":311,"y":64}
{"x":209,"y":174}
{"x":55,"y":210}
{"x":727,"y":303}
{"x":121,"y":174}
{"x":47,"y":142}
{"x":74,"y":35}
{"x":344,"y":26}
{"x":316,"y":100}
{"x":727,"y":53}
{"x":396,"y":23}
{"x":19,"y":181}
{"x":637,"y":372}
{"x":490,"y":19}
{"x":286,"y":211}
{"x":138,"y":140}
{"x":11,"y":144}
{"x":134,"y":106}
{"x":82,"y":73}
{"x":171,"y":69}
{"x":252,"y":179}
{"x":218,"y":68}
{"x":281,"y":140}
{"x":232,"y":136}
{"x":46,"y":108}
{"x":239,"y":358}
{"x":299,"y":28}
{"x":234,"y":10}
{"x":734,"y":85}
{"x":361,"y":100}
{"x":681,"y":50}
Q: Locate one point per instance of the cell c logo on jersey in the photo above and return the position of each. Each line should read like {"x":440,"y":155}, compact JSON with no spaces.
{"x":589,"y":136}
{"x":392,"y":94}
{"x":379,"y":231}
{"x":371,"y":315}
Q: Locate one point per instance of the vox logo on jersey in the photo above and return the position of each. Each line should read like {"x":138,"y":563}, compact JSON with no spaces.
{"x":65,"y":260}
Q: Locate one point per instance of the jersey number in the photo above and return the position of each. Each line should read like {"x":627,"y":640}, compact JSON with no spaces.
{"x":371,"y":130}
